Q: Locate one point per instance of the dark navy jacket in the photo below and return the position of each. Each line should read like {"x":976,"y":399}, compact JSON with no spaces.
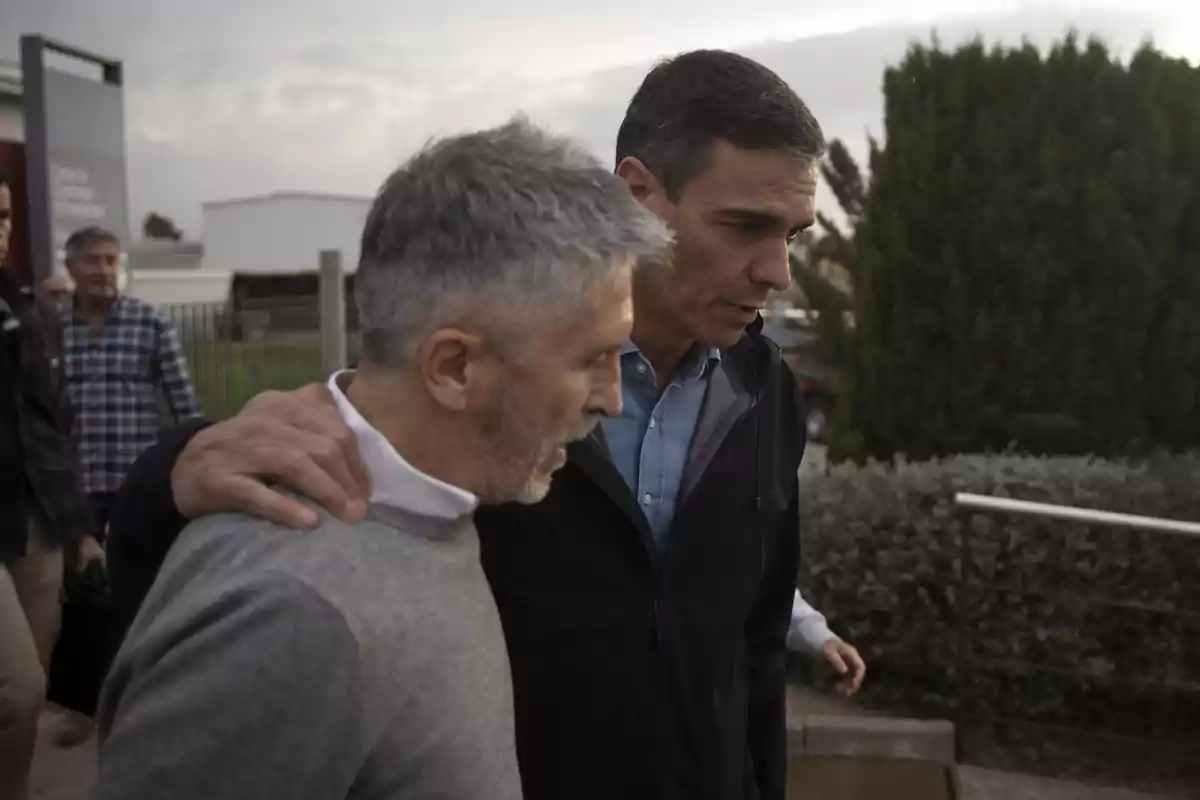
{"x":39,"y":464}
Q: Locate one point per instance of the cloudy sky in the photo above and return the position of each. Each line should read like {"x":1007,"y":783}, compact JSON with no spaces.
{"x":236,"y":97}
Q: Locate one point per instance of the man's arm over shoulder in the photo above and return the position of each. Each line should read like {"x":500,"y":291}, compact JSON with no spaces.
{"x":295,"y":439}
{"x":144,"y":514}
{"x":253,"y":690}
{"x":144,"y":521}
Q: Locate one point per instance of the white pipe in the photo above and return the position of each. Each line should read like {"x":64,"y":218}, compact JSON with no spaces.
{"x":982,"y":502}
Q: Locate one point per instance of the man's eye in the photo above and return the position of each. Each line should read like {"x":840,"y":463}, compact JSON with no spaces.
{"x":747,"y":226}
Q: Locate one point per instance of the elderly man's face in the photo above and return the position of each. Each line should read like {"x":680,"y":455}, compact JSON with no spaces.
{"x":563,"y":384}
{"x":96,"y":270}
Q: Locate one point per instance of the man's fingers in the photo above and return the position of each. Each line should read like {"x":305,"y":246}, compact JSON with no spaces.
{"x":337,"y":489}
{"x":859,"y":666}
{"x":251,"y":497}
{"x":333,"y":439}
{"x":834,"y":656}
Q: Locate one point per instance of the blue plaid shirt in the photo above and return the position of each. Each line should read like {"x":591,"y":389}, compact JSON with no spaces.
{"x":116,"y":375}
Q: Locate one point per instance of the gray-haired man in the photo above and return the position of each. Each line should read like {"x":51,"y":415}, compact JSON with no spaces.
{"x":367,"y":660}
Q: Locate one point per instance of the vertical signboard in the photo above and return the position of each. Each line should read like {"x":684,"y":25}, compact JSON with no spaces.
{"x":74,"y":151}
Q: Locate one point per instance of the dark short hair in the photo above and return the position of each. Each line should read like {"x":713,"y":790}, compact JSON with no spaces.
{"x":85,"y":237}
{"x":687,"y":103}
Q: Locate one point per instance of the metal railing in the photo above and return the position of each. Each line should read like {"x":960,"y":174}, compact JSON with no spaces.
{"x":1007,"y":505}
{"x":1178,"y":758}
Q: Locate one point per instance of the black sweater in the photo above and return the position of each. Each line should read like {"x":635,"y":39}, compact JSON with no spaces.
{"x":636,"y":676}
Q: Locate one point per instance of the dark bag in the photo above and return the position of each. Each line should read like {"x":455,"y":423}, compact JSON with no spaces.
{"x":88,"y":641}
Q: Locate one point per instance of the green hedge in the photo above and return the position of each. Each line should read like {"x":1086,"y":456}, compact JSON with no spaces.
{"x":1066,"y":625}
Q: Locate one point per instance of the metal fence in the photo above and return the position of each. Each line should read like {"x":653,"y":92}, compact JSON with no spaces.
{"x":1104,"y":717}
{"x":236,"y":351}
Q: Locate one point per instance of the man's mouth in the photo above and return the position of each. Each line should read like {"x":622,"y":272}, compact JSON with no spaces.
{"x":748,"y":310}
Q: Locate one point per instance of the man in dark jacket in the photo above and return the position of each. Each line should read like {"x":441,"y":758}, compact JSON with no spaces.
{"x":43,"y":513}
{"x":647,"y":600}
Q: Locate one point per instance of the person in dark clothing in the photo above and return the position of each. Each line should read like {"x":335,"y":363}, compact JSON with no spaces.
{"x":646,"y":601}
{"x":44,"y":516}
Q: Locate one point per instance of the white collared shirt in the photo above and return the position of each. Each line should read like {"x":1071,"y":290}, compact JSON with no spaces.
{"x":809,"y":630}
{"x":395,"y":482}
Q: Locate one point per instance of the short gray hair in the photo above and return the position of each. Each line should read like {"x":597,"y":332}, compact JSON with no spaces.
{"x":498,"y":229}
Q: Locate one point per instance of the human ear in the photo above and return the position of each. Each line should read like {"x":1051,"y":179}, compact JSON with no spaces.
{"x":645,"y":186}
{"x":450,"y":361}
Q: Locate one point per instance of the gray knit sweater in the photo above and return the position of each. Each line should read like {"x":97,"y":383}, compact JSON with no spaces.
{"x":361,"y":661}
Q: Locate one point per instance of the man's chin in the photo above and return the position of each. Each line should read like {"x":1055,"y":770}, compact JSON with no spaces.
{"x":535,"y":490}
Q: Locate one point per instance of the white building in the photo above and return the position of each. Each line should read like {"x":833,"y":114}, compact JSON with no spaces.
{"x":164,"y":272}
{"x":282,"y":233}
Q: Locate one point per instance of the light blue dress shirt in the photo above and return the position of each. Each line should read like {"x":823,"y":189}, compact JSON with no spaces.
{"x":649,"y":442}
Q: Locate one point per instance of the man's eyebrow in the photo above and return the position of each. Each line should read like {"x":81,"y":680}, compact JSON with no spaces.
{"x":760,"y":217}
{"x":750,"y":215}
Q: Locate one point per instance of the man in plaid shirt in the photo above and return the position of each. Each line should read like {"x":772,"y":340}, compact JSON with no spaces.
{"x":121,"y":356}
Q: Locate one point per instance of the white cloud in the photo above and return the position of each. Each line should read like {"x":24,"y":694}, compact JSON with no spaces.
{"x":231,"y":98}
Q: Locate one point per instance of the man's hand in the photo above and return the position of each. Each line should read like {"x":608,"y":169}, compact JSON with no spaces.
{"x":90,"y":552}
{"x":296,"y":439}
{"x":846,"y":661}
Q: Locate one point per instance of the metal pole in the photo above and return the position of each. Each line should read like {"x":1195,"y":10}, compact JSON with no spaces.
{"x":333,"y":313}
{"x":1004,"y":505}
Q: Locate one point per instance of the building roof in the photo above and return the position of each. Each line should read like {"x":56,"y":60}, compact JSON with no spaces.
{"x":286,"y":195}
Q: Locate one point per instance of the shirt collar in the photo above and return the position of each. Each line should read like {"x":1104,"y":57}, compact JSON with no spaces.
{"x":395,"y":482}
{"x":115,"y":311}
{"x":698,"y":362}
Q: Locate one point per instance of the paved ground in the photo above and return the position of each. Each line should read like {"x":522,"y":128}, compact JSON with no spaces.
{"x":990,"y":784}
{"x":978,"y":783}
{"x":66,"y":774}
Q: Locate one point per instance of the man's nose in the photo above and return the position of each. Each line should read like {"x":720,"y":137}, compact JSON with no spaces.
{"x":773,"y":266}
{"x":606,"y":398}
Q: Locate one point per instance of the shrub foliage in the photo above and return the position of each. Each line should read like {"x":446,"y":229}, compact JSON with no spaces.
{"x":1018,"y":619}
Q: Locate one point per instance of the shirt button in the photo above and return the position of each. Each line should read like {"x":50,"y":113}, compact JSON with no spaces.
{"x":652,"y":423}
{"x":646,"y":499}
{"x":641,"y":368}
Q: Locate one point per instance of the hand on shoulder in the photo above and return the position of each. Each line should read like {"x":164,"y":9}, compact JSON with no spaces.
{"x":295,"y":439}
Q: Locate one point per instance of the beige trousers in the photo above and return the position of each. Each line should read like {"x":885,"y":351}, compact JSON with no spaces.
{"x":30,"y":611}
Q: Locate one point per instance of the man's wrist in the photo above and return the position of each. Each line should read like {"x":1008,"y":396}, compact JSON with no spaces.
{"x":810,"y":635}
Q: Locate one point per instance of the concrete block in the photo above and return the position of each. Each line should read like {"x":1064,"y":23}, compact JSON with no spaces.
{"x":880,"y":737}
{"x":795,"y":738}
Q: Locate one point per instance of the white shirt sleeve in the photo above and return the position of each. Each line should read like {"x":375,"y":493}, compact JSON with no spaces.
{"x":809,"y":631}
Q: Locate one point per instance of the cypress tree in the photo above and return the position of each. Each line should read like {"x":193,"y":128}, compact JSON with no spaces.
{"x":1026,"y":255}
